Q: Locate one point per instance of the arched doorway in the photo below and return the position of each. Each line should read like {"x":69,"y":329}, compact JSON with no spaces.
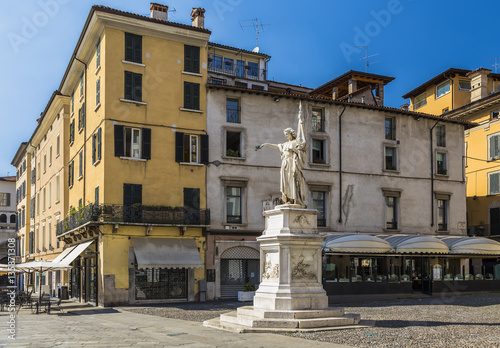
{"x":238,"y":265}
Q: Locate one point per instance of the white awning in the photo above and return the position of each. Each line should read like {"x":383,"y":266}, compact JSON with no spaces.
{"x":422,"y":244}
{"x":166,"y":253}
{"x":356,"y":243}
{"x":78,"y":249}
{"x":64,"y":254}
{"x":472,"y":245}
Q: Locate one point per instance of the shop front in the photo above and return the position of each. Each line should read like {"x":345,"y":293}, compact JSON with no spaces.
{"x":164,"y":269}
{"x":361,"y":264}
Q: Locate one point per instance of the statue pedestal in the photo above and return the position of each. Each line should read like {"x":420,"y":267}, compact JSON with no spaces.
{"x":291,"y":294}
{"x":291,"y":262}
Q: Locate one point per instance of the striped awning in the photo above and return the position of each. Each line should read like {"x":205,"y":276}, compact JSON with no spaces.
{"x":356,"y":243}
{"x":471,"y":245}
{"x":419,"y":244}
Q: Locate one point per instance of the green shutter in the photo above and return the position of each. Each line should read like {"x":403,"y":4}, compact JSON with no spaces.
{"x":137,"y":89}
{"x":99,"y":136}
{"x":98,"y":92}
{"x":146,"y":143}
{"x":93,"y":148}
{"x":119,"y":141}
{"x":179,"y":147}
{"x":129,"y":80}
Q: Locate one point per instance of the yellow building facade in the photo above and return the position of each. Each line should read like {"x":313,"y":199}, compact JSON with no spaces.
{"x":133,"y":181}
{"x":471,"y":95}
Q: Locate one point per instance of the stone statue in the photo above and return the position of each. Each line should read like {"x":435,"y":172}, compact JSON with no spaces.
{"x":293,"y":159}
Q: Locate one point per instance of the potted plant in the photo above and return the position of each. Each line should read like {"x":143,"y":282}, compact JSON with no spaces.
{"x":248,"y":293}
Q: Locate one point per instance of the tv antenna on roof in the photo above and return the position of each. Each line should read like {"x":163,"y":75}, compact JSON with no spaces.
{"x":496,"y":65}
{"x":258,"y":26}
{"x":365,"y":58}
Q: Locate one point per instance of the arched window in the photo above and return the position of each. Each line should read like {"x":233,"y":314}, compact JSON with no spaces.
{"x":3,"y":218}
{"x":13,"y":219}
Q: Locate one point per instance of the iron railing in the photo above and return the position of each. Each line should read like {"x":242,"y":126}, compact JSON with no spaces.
{"x":134,"y":214}
{"x":245,"y":73}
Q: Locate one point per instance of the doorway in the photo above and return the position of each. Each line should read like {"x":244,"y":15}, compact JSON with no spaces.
{"x":421,"y":275}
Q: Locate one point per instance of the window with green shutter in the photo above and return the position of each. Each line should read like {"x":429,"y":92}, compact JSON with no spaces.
{"x":191,"y":95}
{"x":72,"y":132}
{"x":494,"y":183}
{"x":133,"y":86}
{"x":81,"y":86}
{"x":133,"y":48}
{"x":494,"y":147}
{"x":98,"y":92}
{"x":192,"y":59}
{"x":98,"y":54}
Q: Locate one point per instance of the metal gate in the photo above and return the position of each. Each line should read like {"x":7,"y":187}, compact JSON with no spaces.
{"x":238,"y":266}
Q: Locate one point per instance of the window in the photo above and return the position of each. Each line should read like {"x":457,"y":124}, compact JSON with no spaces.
{"x":233,"y":144}
{"x":191,"y":95}
{"x":44,"y":163}
{"x":494,"y":147}
{"x":58,"y":145}
{"x":257,"y":87}
{"x":132,"y":194}
{"x":464,"y":85}
{"x":217,"y":62}
{"x":240,"y":68}
{"x":50,"y":234}
{"x":441,"y":163}
{"x":81,"y":117}
{"x":319,"y":203}
{"x":390,"y":128}
{"x":390,"y":158}
{"x":318,"y":121}
{"x":96,"y":196}
{"x":81,"y":86}
{"x":494,"y":115}
{"x":49,"y":195}
{"x":50,"y":155}
{"x":391,"y":216}
{"x":44,"y":201}
{"x":441,"y":136}
{"x":420,"y":100}
{"x":72,"y":103}
{"x":217,"y":81}
{"x":80,"y":164}
{"x":58,"y":192}
{"x":191,"y":148}
{"x":71,"y":169}
{"x":494,"y":183}
{"x":240,"y":84}
{"x":133,"y":86}
{"x":4,"y":199}
{"x":98,"y":54}
{"x":442,"y":214}
{"x":318,"y":151}
{"x":98,"y":92}
{"x":71,"y":134}
{"x":253,"y":69}
{"x":96,"y":146}
{"x":228,"y":64}
{"x":233,"y":205}
{"x":442,"y":89}
{"x":191,"y":59}
{"x":133,"y":48}
{"x":232,"y":110}
{"x":130,"y":142}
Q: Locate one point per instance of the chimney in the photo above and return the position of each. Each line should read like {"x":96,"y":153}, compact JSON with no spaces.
{"x":198,"y":17}
{"x":159,"y":11}
{"x":479,"y":83}
{"x":405,"y":107}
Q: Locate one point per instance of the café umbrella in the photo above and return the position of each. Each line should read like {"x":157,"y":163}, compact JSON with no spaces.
{"x":41,"y":266}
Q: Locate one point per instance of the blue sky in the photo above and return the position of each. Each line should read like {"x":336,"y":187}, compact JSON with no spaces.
{"x":310,"y":44}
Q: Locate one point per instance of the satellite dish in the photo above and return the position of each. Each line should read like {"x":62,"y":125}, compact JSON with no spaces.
{"x":256,"y":50}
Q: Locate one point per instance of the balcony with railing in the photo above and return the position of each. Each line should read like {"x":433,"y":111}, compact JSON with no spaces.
{"x":136,"y":214}
{"x":244,"y":72}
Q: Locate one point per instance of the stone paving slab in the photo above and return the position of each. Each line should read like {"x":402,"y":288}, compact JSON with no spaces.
{"x":81,"y":326}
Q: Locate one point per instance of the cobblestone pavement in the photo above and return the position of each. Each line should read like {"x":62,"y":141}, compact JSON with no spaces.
{"x":458,"y":321}
{"x":82,"y":326}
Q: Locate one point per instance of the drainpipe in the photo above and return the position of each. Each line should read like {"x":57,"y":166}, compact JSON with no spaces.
{"x":340,"y":165}
{"x":84,"y":128}
{"x":432,"y":174}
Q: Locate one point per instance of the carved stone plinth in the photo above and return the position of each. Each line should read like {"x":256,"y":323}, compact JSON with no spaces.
{"x":290,"y":254}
